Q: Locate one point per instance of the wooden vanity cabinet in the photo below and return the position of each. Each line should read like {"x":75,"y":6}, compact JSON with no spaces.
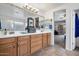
{"x":36,"y":43}
{"x":8,"y":47}
{"x":45,"y":40}
{"x":24,"y":45}
{"x":49,"y":39}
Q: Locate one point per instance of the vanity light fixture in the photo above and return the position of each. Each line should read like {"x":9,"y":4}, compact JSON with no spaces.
{"x":32,"y":9}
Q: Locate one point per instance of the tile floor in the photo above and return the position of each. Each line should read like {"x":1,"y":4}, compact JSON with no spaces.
{"x":56,"y":51}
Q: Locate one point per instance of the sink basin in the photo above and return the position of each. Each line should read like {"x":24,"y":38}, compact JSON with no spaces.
{"x":11,"y":32}
{"x":18,"y":32}
{"x":23,"y":32}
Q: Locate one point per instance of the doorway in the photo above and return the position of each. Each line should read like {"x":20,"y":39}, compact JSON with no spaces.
{"x":60,"y":28}
{"x":77,"y":29}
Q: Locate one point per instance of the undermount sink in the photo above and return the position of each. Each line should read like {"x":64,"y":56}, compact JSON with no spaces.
{"x":11,"y":32}
{"x":23,"y":32}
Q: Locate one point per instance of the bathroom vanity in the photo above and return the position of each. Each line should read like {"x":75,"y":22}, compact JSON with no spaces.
{"x":23,"y":44}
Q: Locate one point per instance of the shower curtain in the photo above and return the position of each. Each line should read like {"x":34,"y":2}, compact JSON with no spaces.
{"x":76,"y":25}
{"x":0,"y":24}
{"x":77,"y":29}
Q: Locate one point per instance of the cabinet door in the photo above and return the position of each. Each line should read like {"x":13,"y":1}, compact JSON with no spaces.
{"x":36,"y":43}
{"x":23,"y":45}
{"x":8,"y":49}
{"x":45,"y":40}
{"x":49,"y":39}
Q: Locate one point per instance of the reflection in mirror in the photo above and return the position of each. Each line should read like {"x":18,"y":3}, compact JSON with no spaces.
{"x":11,"y":24}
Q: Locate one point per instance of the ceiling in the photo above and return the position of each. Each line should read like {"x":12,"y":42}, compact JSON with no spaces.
{"x":45,"y":6}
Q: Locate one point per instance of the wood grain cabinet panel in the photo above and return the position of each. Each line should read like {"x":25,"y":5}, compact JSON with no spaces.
{"x":36,"y":43}
{"x":7,"y":40}
{"x":49,"y":39}
{"x":8,"y":47}
{"x":45,"y":40}
{"x":36,"y":48}
{"x":23,"y":45}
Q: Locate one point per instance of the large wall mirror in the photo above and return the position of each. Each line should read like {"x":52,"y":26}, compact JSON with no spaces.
{"x":15,"y":19}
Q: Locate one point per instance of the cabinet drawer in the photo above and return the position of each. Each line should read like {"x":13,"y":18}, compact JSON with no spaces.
{"x":9,"y":49}
{"x":45,"y":34}
{"x":23,"y":38}
{"x":36,"y":48}
{"x":7,"y":40}
{"x":36,"y":39}
{"x":49,"y":34}
{"x":36,"y":36}
{"x":9,"y":45}
{"x":23,"y":42}
{"x":36,"y":43}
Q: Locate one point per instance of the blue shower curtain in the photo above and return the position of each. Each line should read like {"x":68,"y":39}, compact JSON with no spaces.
{"x":76,"y":25}
{"x":0,"y":24}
